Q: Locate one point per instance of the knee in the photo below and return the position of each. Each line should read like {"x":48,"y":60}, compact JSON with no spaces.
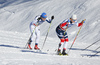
{"x":66,"y":40}
{"x":62,"y":40}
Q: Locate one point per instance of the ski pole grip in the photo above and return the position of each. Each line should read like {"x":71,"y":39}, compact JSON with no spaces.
{"x":83,"y":21}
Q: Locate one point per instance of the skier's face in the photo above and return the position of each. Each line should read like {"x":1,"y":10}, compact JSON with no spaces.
{"x":43,"y":19}
{"x":73,"y":20}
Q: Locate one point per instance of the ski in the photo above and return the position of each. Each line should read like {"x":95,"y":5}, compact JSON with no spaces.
{"x":62,"y":55}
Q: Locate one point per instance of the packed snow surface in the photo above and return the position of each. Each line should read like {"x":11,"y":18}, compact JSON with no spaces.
{"x":16,"y":15}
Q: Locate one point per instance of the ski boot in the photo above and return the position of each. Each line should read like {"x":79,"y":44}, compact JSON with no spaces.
{"x":36,"y":47}
{"x":64,"y":53}
{"x":29,"y":46}
{"x":59,"y":52}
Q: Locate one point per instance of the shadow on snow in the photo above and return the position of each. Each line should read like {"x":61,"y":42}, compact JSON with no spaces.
{"x":10,"y":46}
{"x":36,"y":51}
{"x":84,"y":50}
{"x":90,"y":55}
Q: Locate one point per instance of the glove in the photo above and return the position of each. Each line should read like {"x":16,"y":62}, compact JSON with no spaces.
{"x":52,"y":17}
{"x":39,"y":18}
{"x":83,"y":21}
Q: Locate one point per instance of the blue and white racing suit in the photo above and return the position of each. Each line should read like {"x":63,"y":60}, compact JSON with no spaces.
{"x":35,"y":28}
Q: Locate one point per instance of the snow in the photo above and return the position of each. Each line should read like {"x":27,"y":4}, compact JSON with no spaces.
{"x":12,"y":52}
{"x":16,"y":15}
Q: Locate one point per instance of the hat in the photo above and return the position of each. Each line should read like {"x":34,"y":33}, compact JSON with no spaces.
{"x":43,"y":15}
{"x":74,"y":16}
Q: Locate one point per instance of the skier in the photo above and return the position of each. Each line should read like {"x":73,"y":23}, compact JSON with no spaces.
{"x":62,"y":34}
{"x":35,"y":28}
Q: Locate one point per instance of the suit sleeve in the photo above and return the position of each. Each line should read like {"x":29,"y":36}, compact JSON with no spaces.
{"x":78,"y":24}
{"x":48,"y":20}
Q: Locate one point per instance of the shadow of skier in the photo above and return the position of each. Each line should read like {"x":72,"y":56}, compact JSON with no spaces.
{"x":37,"y":51}
{"x":10,"y":46}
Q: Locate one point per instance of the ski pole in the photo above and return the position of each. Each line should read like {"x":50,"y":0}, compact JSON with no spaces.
{"x":46,"y":36}
{"x":91,"y":45}
{"x":75,"y":37}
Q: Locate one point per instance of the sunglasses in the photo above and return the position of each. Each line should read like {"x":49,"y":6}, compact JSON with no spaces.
{"x":74,"y":20}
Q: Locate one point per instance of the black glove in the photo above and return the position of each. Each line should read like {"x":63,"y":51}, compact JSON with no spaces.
{"x":52,"y":17}
{"x":39,"y":18}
